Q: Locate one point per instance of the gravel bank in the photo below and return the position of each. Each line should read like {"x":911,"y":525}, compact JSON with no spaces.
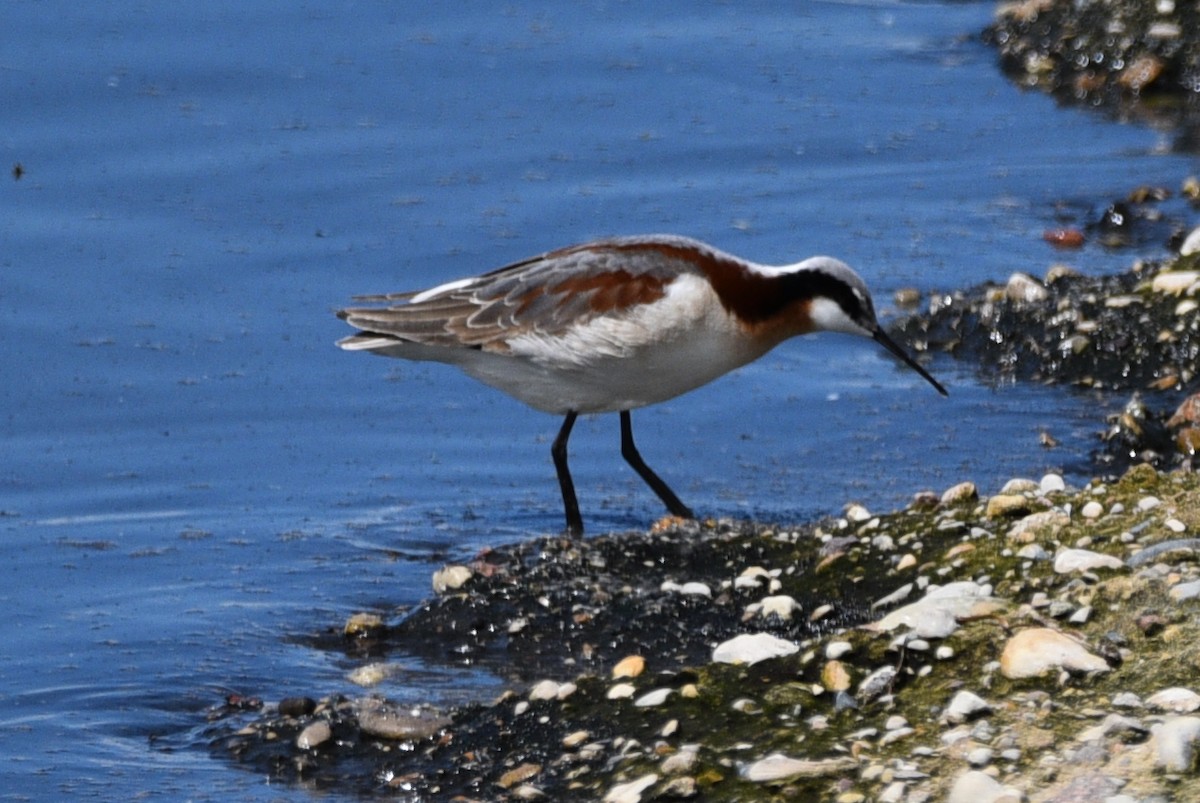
{"x":1134,"y":59}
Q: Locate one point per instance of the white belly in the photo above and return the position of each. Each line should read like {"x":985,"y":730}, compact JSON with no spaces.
{"x":655,"y":353}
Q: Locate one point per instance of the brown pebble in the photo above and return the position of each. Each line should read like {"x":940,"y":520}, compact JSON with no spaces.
{"x":1063,"y":238}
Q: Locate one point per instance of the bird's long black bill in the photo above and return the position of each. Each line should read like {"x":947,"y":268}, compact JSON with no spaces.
{"x":891,"y":345}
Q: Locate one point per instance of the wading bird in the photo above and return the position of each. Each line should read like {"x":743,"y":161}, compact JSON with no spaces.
{"x":614,"y":325}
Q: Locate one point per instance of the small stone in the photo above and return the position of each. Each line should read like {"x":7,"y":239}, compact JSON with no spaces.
{"x":959,"y":494}
{"x":782,"y":606}
{"x":693,"y":588}
{"x":937,"y":614}
{"x":370,"y":674}
{"x":682,"y":762}
{"x":1006,"y":505}
{"x":1081,"y":616}
{"x":551,"y":690}
{"x":1183,"y":591}
{"x":629,"y":667}
{"x":377,"y":718}
{"x":1036,"y":525}
{"x":1037,"y":650}
{"x":944,"y":653}
{"x":1092,"y":510}
{"x":1148,"y":503}
{"x":895,"y":722}
{"x":1033,"y":552}
{"x":575,"y":739}
{"x":363,"y":625}
{"x":297,"y":706}
{"x":964,"y":706}
{"x":1175,"y":525}
{"x":1024,"y":289}
{"x":836,"y":649}
{"x":1177,"y":700}
{"x":653,"y":698}
{"x":1191,"y":243}
{"x":835,"y":676}
{"x":907,"y":561}
{"x":980,"y":757}
{"x":518,"y":774}
{"x":621,"y":691}
{"x":451,"y":578}
{"x":975,"y":786}
{"x":1068,"y":561}
{"x":1175,"y":743}
{"x":876,"y":683}
{"x":631,"y":792}
{"x":313,"y":735}
{"x":750,"y":648}
{"x":778,"y":767}
{"x":1052,"y":483}
{"x":1127,"y":699}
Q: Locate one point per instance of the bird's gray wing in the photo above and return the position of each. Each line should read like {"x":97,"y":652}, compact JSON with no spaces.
{"x":543,"y":295}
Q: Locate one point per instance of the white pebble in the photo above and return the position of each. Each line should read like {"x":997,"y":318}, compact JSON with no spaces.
{"x":1084,"y":560}
{"x":1052,"y":483}
{"x":1092,"y":510}
{"x":653,"y":698}
{"x":1148,"y":503}
{"x":1175,"y":743}
{"x":836,"y":649}
{"x":1175,"y":525}
{"x":1176,"y":699}
{"x":750,"y":648}
{"x":630,"y":792}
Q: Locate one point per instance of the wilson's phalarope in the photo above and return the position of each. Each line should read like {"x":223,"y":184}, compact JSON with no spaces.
{"x":613,"y":325}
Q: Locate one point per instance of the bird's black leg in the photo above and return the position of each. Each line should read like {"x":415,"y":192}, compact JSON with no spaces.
{"x":630,"y":453}
{"x":559,"y":452}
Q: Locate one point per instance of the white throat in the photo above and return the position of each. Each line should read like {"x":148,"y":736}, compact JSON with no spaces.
{"x":828,"y":316}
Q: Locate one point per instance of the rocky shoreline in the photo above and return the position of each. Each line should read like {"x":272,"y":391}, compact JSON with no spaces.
{"x":1136,"y":60}
{"x":1039,"y":644}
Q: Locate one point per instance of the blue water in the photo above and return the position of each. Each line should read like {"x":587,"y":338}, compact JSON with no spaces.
{"x":192,"y":476}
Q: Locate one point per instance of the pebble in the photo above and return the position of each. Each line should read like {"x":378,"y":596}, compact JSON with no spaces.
{"x":1036,"y":525}
{"x":1068,"y":561}
{"x":1182,"y":591}
{"x":1006,"y":505}
{"x":621,"y":691}
{"x":980,"y":757}
{"x":964,"y":706}
{"x":631,"y":792}
{"x":297,"y":706}
{"x":1092,"y":510}
{"x":381,"y":719}
{"x":1176,"y":700}
{"x":959,"y":494}
{"x":629,"y":667}
{"x":1052,"y":483}
{"x":1024,"y":289}
{"x":682,"y":761}
{"x":653,"y":698}
{"x":694,"y":588}
{"x":836,"y":649}
{"x":877,"y":683}
{"x":778,"y":767}
{"x":451,"y":578}
{"x":1037,"y":650}
{"x":551,"y":690}
{"x":975,"y":786}
{"x":313,"y":735}
{"x":1175,"y":743}
{"x":936,"y":615}
{"x":1127,"y":699}
{"x":750,"y":648}
{"x":782,"y":606}
{"x":835,"y":676}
